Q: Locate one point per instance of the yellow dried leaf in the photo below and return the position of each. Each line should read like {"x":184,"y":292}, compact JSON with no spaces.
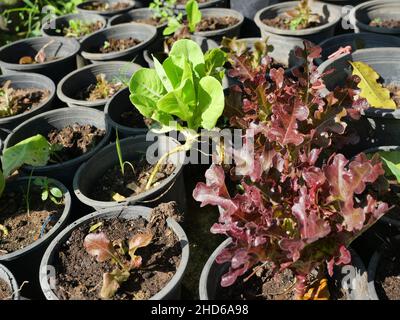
{"x":319,"y":291}
{"x":376,"y":95}
{"x":117,"y":197}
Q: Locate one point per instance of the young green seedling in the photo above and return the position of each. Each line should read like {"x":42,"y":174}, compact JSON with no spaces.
{"x":187,"y":88}
{"x":48,"y":191}
{"x":163,"y":9}
{"x":193,"y":16}
{"x":302,"y":15}
{"x":122,"y":163}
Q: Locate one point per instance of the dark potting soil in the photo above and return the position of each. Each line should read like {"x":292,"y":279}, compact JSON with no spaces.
{"x":73,"y":141}
{"x":25,"y":228}
{"x":5,"y":290}
{"x":132,"y":119}
{"x":284,"y":22}
{"x":131,"y":183}
{"x":387,"y":23}
{"x":265,"y":285}
{"x":31,"y":60}
{"x":15,"y":101}
{"x":80,"y":276}
{"x":115,"y":45}
{"x":151,"y":21}
{"x":102,"y":89}
{"x":216,"y":23}
{"x":79,"y":28}
{"x":387,"y":278}
{"x":105,"y":6}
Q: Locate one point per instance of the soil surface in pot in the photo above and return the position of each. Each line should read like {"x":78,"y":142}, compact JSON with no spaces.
{"x":79,"y":28}
{"x":23,"y":227}
{"x":387,"y":23}
{"x":133,"y":119}
{"x":216,"y":23}
{"x":15,"y":101}
{"x":80,"y":276}
{"x":265,"y":285}
{"x":115,"y":45}
{"x":394,"y":93}
{"x":5,"y":290}
{"x":387,"y":278}
{"x":102,"y":89}
{"x":105,"y":6}
{"x":39,"y":57}
{"x":296,"y":19}
{"x":115,"y":186}
{"x":153,"y":21}
{"x":73,"y":141}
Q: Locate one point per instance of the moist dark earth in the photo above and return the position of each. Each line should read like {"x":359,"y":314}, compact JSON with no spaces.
{"x":115,"y":45}
{"x":387,"y":23}
{"x":73,"y":141}
{"x":151,"y":21}
{"x":25,"y":228}
{"x":387,"y":278}
{"x":283,"y":22}
{"x":102,"y":6}
{"x":160,"y":259}
{"x":131,"y":183}
{"x":86,"y":28}
{"x":132,"y":119}
{"x":216,"y":23}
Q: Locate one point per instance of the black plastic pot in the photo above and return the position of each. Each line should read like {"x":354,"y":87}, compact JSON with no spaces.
{"x":58,"y":119}
{"x":73,"y":83}
{"x":358,"y":289}
{"x":25,"y":262}
{"x":133,"y":15}
{"x":133,"y":149}
{"x":26,"y":80}
{"x":377,"y":127}
{"x":9,"y":278}
{"x":331,"y":14}
{"x":357,"y":41}
{"x":230,"y":32}
{"x":157,"y":49}
{"x":344,"y":2}
{"x":203,"y":5}
{"x":364,"y":13}
{"x":374,"y":264}
{"x":64,"y":49}
{"x":106,"y":14}
{"x":117,"y":105}
{"x":249,"y":9}
{"x":143,"y":32}
{"x":55,"y":26}
{"x":170,"y":291}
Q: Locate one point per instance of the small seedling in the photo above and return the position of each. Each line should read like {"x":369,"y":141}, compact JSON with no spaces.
{"x":122,"y":163}
{"x":163,"y":9}
{"x":193,"y":14}
{"x":302,"y":16}
{"x":106,"y":45}
{"x":121,"y":252}
{"x":48,"y":191}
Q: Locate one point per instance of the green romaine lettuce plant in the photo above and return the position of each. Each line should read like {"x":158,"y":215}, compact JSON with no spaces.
{"x":184,"y":93}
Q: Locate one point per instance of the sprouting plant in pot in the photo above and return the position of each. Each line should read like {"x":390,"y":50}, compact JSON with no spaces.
{"x":102,"y":89}
{"x":123,"y":255}
{"x":34,"y":151}
{"x":162,"y":10}
{"x":178,"y":28}
{"x":184,"y":93}
{"x":371,"y":92}
{"x":48,"y":191}
{"x":299,"y":18}
{"x":298,"y":204}
{"x":79,"y":28}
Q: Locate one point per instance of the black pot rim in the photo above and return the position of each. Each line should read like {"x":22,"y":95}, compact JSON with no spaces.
{"x":203,"y":5}
{"x":228,"y":12}
{"x":363,"y":26}
{"x":110,"y":22}
{"x":135,"y":211}
{"x":297,"y":33}
{"x":58,"y":226}
{"x":115,"y":55}
{"x":88,"y":104}
{"x":25,"y":67}
{"x":131,"y":200}
{"x":72,"y":16}
{"x":43,"y":79}
{"x":11,"y":281}
{"x":110,"y":12}
{"x":79,"y":159}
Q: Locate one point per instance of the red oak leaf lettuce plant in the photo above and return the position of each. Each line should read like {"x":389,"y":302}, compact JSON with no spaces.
{"x":299,"y":204}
